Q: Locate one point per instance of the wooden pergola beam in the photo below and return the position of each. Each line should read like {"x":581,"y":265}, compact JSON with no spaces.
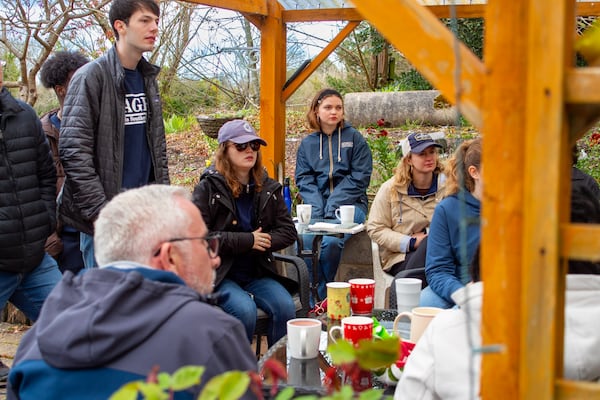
{"x":547,"y":188}
{"x":352,"y":14}
{"x":583,"y":85}
{"x":272,"y":106}
{"x":318,"y":60}
{"x":580,"y":242}
{"x":502,"y":211}
{"x":243,"y":6}
{"x":434,"y":54}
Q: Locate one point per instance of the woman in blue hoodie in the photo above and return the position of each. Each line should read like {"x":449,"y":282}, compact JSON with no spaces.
{"x":454,"y":232}
{"x":333,"y":168}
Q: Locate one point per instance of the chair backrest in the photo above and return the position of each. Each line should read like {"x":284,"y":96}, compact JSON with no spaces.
{"x":356,"y":260}
{"x":382,"y":279}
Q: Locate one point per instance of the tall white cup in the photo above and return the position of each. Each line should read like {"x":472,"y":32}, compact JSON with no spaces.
{"x":408,"y":293}
{"x":304,"y":213}
{"x":345,"y":214}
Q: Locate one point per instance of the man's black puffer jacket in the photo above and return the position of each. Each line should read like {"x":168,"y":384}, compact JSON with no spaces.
{"x":27,"y":187}
{"x":92,"y":137}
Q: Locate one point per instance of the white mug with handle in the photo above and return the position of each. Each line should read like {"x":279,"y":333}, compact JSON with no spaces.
{"x":345,"y":214}
{"x":304,"y":336}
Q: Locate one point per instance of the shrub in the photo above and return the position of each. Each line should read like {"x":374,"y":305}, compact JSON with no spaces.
{"x":589,"y":153}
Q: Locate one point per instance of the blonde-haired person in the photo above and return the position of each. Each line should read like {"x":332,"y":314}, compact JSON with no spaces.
{"x":449,"y":247}
{"x":404,"y":204}
{"x":333,"y":168}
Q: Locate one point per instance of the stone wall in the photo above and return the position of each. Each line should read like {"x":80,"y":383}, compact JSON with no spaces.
{"x":397,"y":108}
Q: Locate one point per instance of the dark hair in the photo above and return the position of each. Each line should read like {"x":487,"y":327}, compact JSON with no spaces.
{"x":585,"y":208}
{"x":59,"y":67}
{"x":574,"y":154}
{"x":122,"y":10}
{"x":311,"y":116}
{"x":475,"y":267}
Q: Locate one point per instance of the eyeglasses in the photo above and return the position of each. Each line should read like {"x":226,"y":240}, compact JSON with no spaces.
{"x":211,"y":240}
{"x":255,"y":146}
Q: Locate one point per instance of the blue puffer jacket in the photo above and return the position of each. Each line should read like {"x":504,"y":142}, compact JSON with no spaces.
{"x":333,"y":170}
{"x":443,"y":264}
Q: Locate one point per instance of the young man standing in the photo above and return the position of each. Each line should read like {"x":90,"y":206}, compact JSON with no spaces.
{"x":56,"y":73}
{"x":112,"y":133}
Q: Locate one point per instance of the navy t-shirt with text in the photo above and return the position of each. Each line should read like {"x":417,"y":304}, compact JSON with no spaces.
{"x":137,"y":162}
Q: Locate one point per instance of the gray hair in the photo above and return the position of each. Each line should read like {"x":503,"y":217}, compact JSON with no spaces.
{"x":134,"y":223}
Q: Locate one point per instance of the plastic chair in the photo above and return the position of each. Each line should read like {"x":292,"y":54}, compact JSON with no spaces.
{"x":383,"y":280}
{"x":293,"y":268}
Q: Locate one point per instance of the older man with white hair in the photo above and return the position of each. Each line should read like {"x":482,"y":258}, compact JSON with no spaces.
{"x":145,"y":306}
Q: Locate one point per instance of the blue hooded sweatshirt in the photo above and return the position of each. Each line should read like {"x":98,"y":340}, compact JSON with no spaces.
{"x":334,"y":170}
{"x":443,"y":264}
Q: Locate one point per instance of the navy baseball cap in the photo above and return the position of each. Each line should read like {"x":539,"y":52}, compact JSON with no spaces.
{"x":417,"y":142}
{"x":238,"y":131}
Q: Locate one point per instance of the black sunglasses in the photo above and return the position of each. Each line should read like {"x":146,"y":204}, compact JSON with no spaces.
{"x":211,"y":240}
{"x":255,"y":146}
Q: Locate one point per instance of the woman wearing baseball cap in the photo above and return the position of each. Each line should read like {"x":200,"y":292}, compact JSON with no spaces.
{"x":401,"y":212}
{"x":239,"y":201}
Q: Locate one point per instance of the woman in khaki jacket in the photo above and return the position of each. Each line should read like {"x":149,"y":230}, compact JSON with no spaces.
{"x":400,"y":215}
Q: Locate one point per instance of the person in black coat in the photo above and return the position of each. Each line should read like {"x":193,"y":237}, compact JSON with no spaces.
{"x":240,"y":202}
{"x":27,"y":207}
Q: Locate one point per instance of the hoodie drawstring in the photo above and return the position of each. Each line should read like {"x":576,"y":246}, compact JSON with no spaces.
{"x":321,"y":146}
{"x":339,"y":144}
{"x":339,"y":155}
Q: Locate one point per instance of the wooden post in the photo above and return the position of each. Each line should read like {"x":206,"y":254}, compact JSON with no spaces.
{"x":504,"y":122}
{"x":272,"y":77}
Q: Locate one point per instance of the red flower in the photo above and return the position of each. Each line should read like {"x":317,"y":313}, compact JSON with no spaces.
{"x":256,"y":384}
{"x":331,"y":380}
{"x":275,"y":371}
{"x":595,"y":139}
{"x":380,"y":122}
{"x":382,"y":133}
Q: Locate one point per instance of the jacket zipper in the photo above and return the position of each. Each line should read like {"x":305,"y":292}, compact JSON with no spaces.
{"x":330,"y":163}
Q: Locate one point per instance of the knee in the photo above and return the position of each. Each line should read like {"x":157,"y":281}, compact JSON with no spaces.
{"x":284,"y":309}
{"x":247,"y":315}
{"x":332,"y":244}
{"x":246,"y":312}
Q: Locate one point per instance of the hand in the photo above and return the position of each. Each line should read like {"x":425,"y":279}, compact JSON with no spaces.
{"x":262,"y":241}
{"x":419,"y":236}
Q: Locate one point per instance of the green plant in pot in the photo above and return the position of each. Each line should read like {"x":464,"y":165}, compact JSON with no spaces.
{"x":350,"y":360}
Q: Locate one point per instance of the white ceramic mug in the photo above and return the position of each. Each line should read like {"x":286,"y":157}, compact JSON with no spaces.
{"x":303,"y":335}
{"x":420,"y":317}
{"x":304,"y":213}
{"x":345,"y":214}
{"x":408,"y":293}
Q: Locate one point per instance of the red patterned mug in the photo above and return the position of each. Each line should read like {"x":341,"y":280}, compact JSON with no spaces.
{"x":362,"y":296}
{"x":354,"y":329}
